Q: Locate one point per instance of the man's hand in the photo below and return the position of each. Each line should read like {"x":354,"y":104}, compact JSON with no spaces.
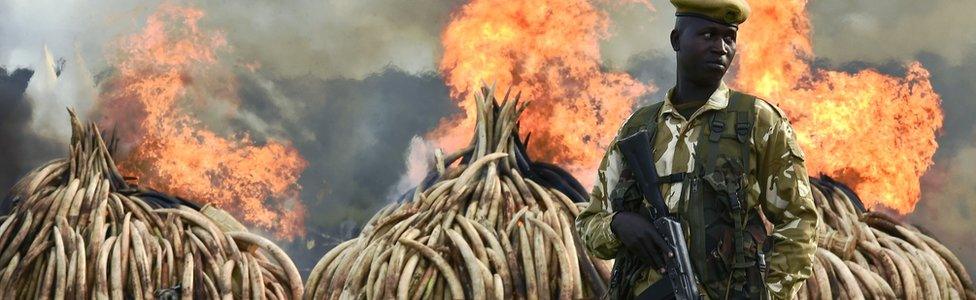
{"x":639,"y":236}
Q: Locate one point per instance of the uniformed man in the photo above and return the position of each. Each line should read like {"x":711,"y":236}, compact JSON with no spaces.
{"x":728,"y":161}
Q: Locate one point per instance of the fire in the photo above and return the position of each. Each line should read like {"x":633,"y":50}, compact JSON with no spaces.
{"x":548,"y":50}
{"x":870,"y":130}
{"x":873,"y":131}
{"x":162,"y":73}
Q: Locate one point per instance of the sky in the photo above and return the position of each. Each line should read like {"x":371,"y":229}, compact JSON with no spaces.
{"x":351,"y":83}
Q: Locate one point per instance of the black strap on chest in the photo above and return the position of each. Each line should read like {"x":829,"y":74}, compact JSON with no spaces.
{"x":740,"y":112}
{"x":673,"y":178}
{"x":742,"y":107}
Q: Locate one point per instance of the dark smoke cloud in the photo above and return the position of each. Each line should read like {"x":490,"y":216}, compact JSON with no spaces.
{"x":354,"y":134}
{"x":21,"y":150}
{"x":653,"y":67}
{"x":948,"y":205}
{"x":956,"y":83}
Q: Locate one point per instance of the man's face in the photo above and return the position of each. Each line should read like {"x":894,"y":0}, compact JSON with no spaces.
{"x":705,"y":49}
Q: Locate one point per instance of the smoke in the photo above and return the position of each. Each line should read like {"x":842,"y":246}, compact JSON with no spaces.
{"x":62,"y":78}
{"x":637,"y":31}
{"x":335,"y":38}
{"x":653,"y":66}
{"x":880,"y":30}
{"x":326,"y":39}
{"x":948,"y":203}
{"x":354,"y":133}
{"x":418,"y":165}
{"x":21,"y":149}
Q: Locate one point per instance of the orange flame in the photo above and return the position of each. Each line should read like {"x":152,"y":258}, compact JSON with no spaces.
{"x":548,"y":50}
{"x":873,"y":131}
{"x":158,"y":72}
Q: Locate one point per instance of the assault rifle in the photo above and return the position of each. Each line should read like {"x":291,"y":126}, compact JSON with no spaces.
{"x":637,"y":152}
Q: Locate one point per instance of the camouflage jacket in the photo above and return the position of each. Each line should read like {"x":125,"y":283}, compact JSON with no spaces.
{"x":777,"y":185}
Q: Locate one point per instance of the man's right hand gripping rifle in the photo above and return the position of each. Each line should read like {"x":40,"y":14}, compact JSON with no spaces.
{"x":654,"y":237}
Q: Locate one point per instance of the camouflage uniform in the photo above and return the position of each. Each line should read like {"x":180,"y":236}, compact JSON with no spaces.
{"x":776,"y":184}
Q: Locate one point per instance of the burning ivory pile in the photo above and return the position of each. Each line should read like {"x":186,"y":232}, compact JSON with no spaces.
{"x":872,"y":255}
{"x":78,"y":230}
{"x":495,"y":225}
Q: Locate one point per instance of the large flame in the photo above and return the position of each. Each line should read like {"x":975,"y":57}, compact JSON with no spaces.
{"x":161,"y":74}
{"x":870,"y":130}
{"x":548,"y":50}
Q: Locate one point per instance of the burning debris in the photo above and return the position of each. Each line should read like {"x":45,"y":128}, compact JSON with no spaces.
{"x":869,"y":254}
{"x":78,"y":230}
{"x":493,"y":225}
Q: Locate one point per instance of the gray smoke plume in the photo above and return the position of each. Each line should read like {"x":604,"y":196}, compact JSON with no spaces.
{"x":354,"y":133}
{"x":655,"y":67}
{"x":21,"y":150}
{"x":948,"y":205}
{"x":877,"y":31}
{"x":328,"y":39}
{"x":334,"y":38}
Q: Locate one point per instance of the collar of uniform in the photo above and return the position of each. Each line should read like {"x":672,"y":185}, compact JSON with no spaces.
{"x":717,"y":101}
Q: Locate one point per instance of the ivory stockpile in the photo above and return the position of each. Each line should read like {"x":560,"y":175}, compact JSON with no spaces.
{"x":78,"y":230}
{"x":872,"y":255}
{"x":491,"y":227}
{"x":495,"y":225}
{"x":487,"y":223}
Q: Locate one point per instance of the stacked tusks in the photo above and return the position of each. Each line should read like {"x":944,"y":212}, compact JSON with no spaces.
{"x":79,"y":231}
{"x":874,"y":256}
{"x":481,"y":229}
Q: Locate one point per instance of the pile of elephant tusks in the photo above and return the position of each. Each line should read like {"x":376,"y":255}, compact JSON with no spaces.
{"x":487,"y":223}
{"x":871,"y":255}
{"x":495,"y":225}
{"x":77,"y":230}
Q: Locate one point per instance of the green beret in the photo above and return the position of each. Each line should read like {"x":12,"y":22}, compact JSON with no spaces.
{"x":730,"y":12}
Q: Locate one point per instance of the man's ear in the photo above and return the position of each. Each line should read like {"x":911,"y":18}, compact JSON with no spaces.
{"x":675,"y":37}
